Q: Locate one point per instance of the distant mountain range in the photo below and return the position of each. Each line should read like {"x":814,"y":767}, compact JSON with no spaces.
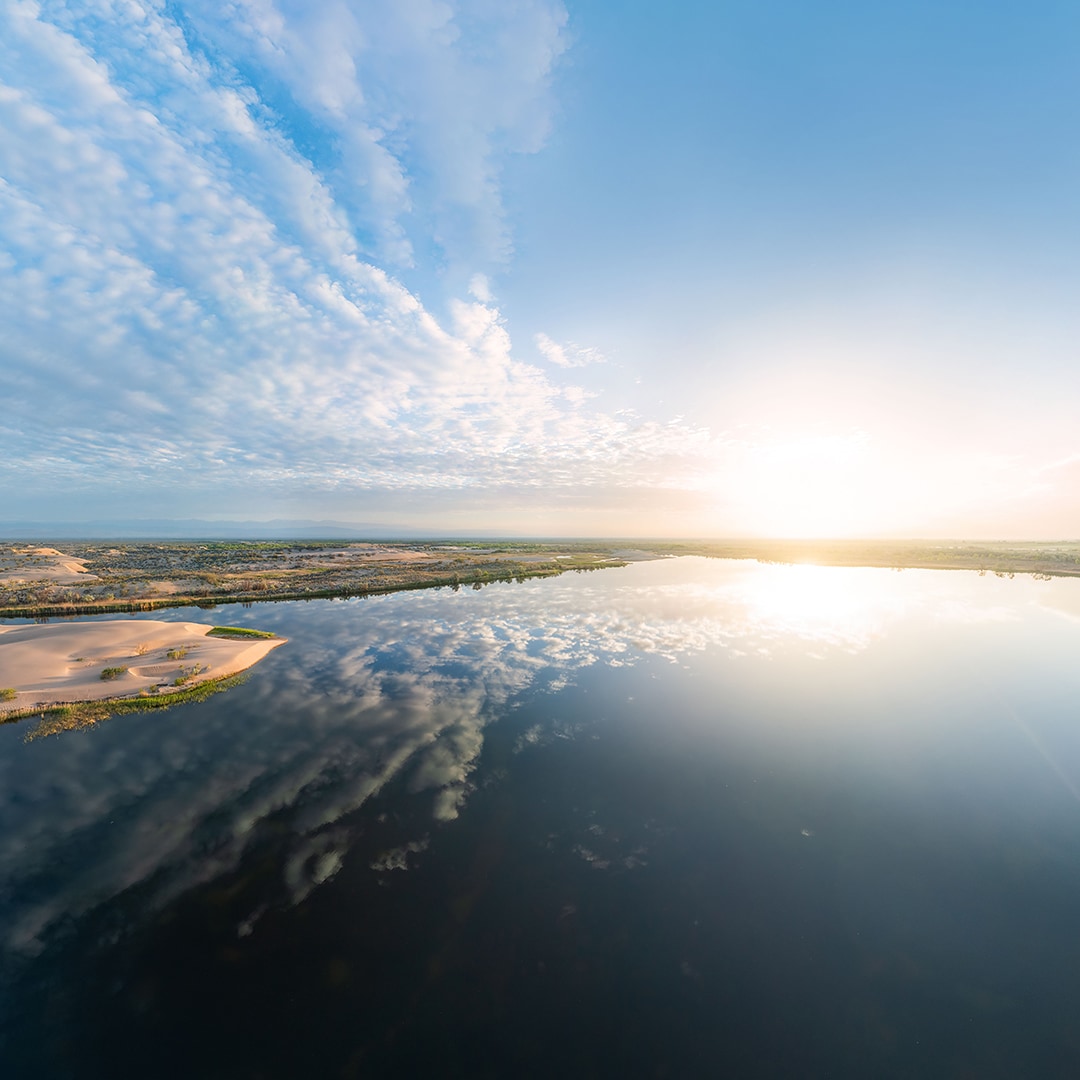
{"x":198,"y":529}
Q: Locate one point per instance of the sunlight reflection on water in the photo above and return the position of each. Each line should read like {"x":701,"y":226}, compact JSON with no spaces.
{"x":841,"y":607}
{"x":407,"y":683}
{"x":358,"y":751}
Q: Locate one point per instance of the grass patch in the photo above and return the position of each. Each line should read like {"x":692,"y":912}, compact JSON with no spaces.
{"x":239,"y":632}
{"x":177,"y":654}
{"x":85,"y":714}
{"x":7,"y":693}
{"x":110,"y":673}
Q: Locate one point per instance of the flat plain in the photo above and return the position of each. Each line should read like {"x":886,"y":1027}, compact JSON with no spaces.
{"x":86,"y":577}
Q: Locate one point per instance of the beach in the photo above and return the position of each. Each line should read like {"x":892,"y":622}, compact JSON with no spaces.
{"x":53,"y":663}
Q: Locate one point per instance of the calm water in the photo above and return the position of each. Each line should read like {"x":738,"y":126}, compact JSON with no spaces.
{"x":688,"y":818}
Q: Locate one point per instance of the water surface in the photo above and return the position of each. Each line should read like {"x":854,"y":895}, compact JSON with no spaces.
{"x":686,"y":818}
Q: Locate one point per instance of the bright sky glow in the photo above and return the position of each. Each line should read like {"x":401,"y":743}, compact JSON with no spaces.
{"x":577,"y":268}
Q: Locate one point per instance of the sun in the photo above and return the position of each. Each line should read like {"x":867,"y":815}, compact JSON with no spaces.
{"x":819,"y":486}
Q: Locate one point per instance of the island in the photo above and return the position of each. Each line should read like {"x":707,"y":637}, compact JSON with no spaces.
{"x":43,"y":666}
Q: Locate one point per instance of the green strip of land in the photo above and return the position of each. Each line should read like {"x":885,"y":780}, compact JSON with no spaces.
{"x":55,"y":719}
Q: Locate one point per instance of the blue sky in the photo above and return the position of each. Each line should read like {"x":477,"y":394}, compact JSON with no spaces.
{"x":551,"y":268}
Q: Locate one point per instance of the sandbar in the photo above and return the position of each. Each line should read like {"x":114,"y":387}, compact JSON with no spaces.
{"x":60,"y":663}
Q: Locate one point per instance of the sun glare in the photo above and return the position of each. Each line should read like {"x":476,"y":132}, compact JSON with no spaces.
{"x":822,"y":603}
{"x":817,"y":486}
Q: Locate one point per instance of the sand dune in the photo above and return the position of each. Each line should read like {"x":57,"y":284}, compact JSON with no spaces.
{"x":45,"y":564}
{"x":63,"y":662}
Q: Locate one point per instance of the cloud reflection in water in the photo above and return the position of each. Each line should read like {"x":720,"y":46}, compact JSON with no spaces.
{"x":393,"y":687}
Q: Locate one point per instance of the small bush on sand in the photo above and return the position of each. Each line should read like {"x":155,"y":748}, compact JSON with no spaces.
{"x":110,"y":673}
{"x":187,"y":673}
{"x":7,"y":693}
{"x":177,"y":654}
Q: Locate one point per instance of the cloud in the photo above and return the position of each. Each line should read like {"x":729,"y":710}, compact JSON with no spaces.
{"x":398,"y":858}
{"x":480,"y":289}
{"x":569,"y":355}
{"x":1069,"y":461}
{"x":196,"y":217}
{"x":421,"y":101}
{"x":401,"y":686}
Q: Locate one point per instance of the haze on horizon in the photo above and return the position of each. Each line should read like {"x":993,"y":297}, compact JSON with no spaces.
{"x":545,"y":268}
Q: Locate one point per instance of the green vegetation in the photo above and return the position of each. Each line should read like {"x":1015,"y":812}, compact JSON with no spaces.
{"x":7,"y":693}
{"x":110,"y":673}
{"x":187,"y":674}
{"x":239,"y":632}
{"x":62,"y":718}
{"x":148,"y":575}
{"x":178,"y":653}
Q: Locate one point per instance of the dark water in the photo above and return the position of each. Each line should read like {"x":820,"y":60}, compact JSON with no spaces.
{"x":688,"y":818}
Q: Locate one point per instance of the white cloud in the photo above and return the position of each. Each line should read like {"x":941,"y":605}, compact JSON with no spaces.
{"x":422,"y":100}
{"x":569,"y":355}
{"x":189,"y":291}
{"x":480,"y":288}
{"x":398,"y":686}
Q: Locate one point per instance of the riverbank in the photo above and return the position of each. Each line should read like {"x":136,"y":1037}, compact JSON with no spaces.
{"x":151,"y":575}
{"x":116,"y":577}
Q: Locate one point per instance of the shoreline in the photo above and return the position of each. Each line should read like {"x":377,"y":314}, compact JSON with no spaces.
{"x":58,"y":665}
{"x":349,"y":592}
{"x":208,"y":603}
{"x":74,"y":715}
{"x":101,"y":577}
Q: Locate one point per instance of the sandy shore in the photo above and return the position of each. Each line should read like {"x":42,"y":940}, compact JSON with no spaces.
{"x":62,"y":662}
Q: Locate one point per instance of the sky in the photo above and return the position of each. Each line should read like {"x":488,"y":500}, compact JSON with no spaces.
{"x":593,"y":267}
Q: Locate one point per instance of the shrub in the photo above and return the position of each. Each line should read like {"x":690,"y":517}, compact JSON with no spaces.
{"x":177,"y":654}
{"x":186,"y":674}
{"x":7,"y":693}
{"x":109,"y":673}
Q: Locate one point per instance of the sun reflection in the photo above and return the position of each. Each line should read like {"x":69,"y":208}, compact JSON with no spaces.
{"x":821,"y":603}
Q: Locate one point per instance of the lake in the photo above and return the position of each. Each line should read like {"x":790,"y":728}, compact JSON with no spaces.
{"x":686,"y":818}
